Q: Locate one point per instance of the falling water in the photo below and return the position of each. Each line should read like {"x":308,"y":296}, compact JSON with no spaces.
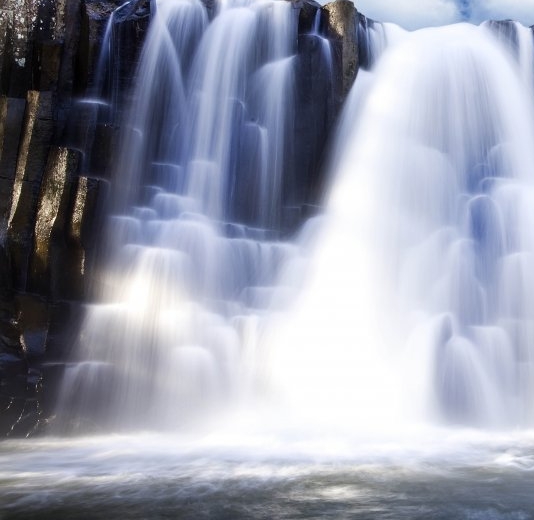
{"x":344,"y":368}
{"x":412,"y":289}
{"x":417,"y":305}
{"x":192,"y":251}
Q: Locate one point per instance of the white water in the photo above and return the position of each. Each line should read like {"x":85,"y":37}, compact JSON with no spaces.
{"x":327,"y":375}
{"x":413,"y":290}
{"x":417,"y":305}
{"x":184,"y":283}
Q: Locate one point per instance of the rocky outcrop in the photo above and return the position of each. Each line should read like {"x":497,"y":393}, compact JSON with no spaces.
{"x":51,"y":186}
{"x":341,"y":27}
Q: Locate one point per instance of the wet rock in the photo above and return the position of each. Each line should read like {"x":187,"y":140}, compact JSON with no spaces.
{"x":129,"y":25}
{"x":11,"y":365}
{"x":33,"y":149}
{"x":6,"y":35}
{"x":11,"y":122}
{"x":308,"y":12}
{"x":3,"y":121}
{"x":50,"y":218}
{"x":33,"y":321}
{"x":48,"y":213}
{"x":105,"y":141}
{"x":68,"y":31}
{"x":93,"y":26}
{"x":47,"y":64}
{"x":23,"y":26}
{"x":5,"y":278}
{"x":44,"y":27}
{"x":340,"y":26}
{"x":20,"y":215}
{"x":73,"y":259}
{"x":5,"y":184}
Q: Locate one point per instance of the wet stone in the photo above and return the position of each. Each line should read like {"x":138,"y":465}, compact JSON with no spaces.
{"x":341,"y":23}
{"x":37,"y":131}
{"x":307,"y":14}
{"x":47,"y":64}
{"x":51,"y":214}
{"x":12,"y":117}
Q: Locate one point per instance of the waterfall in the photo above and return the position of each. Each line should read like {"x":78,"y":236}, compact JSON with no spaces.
{"x":417,"y":305}
{"x":192,"y":247}
{"x":407,"y":300}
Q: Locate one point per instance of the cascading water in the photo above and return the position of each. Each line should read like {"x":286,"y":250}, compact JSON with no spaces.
{"x":355,"y":354}
{"x":205,"y":148}
{"x":418,"y":302}
{"x":414,"y":306}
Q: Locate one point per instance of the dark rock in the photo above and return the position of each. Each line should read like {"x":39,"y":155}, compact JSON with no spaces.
{"x":71,"y":261}
{"x":11,"y":123}
{"x":47,"y":64}
{"x":50,"y":219}
{"x":5,"y":277}
{"x":6,"y":36}
{"x":128,"y":28}
{"x":32,"y":155}
{"x":69,"y":27}
{"x":5,"y":182}
{"x":105,"y":141}
{"x":11,"y":364}
{"x":63,"y":326}
{"x":341,"y":24}
{"x":33,"y":321}
{"x":10,"y":336}
{"x":46,"y":16}
{"x":94,"y":19}
{"x":308,"y":12}
{"x":3,"y":123}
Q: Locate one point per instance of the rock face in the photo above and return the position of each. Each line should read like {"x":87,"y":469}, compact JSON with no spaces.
{"x":50,"y":197}
{"x":341,"y":27}
{"x":55,"y":152}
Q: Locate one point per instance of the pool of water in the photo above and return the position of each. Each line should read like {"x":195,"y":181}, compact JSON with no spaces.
{"x":447,"y":475}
